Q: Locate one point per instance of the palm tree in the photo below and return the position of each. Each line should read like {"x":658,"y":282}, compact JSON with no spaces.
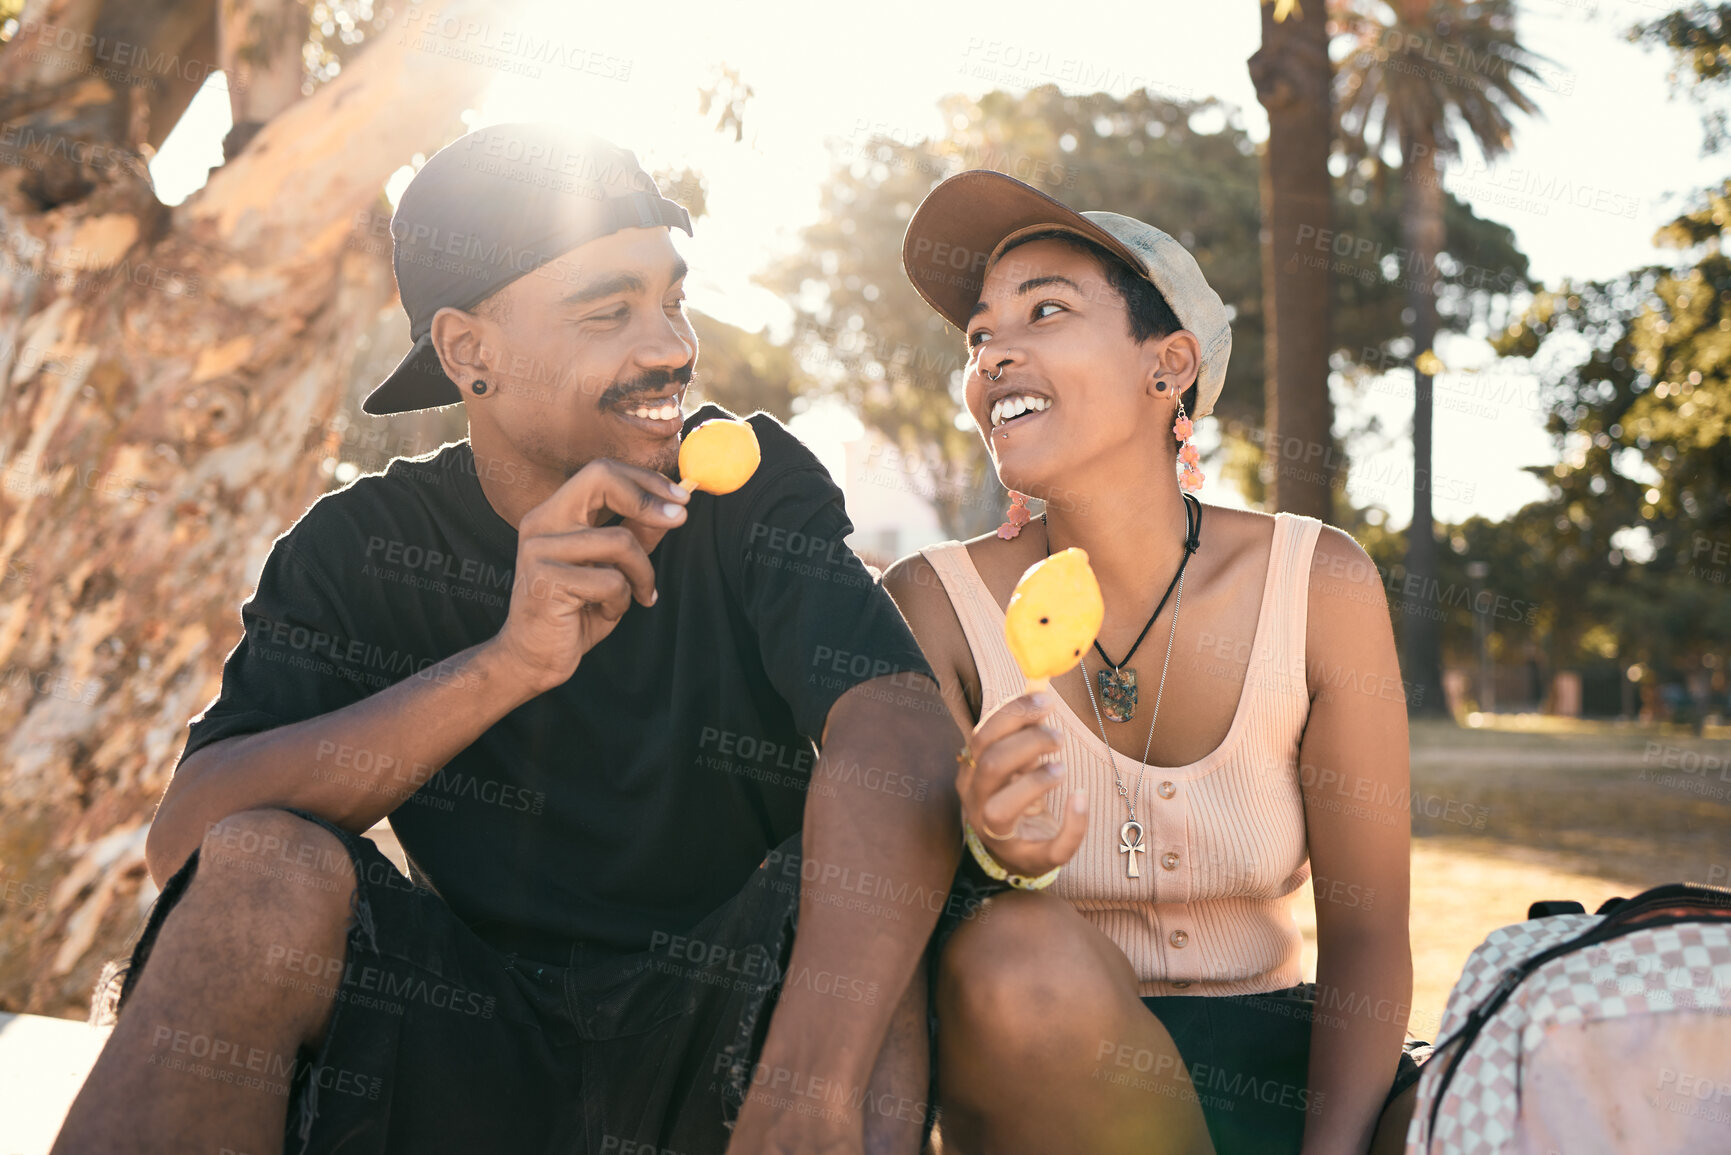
{"x":1292,"y":75}
{"x":1424,"y":76}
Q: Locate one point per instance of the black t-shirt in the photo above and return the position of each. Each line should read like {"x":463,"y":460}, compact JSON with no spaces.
{"x":639,"y":795}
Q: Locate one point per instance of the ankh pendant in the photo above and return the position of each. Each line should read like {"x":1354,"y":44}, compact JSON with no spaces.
{"x":1131,"y":844}
{"x":1118,"y":694}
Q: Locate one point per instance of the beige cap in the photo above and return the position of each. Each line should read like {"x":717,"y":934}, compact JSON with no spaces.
{"x":965,"y":223}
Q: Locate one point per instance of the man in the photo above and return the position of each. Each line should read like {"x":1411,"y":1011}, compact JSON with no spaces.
{"x":588,"y":701}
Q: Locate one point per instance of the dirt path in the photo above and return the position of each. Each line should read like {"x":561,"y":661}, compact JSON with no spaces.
{"x":1459,"y":895}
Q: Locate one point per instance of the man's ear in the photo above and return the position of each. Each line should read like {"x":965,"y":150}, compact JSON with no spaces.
{"x":457,"y":339}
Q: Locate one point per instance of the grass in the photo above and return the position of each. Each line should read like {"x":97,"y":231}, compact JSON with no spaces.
{"x":1600,"y":727}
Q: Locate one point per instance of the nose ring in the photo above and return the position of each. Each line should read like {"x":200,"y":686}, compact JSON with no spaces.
{"x":989,"y":377}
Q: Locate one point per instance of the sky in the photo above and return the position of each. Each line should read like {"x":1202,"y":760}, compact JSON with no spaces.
{"x":823,"y":85}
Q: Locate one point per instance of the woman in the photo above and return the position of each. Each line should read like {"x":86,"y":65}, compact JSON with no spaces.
{"x":1239,"y":725}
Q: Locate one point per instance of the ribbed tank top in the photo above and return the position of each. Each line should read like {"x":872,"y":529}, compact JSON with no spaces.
{"x":1212,"y":913}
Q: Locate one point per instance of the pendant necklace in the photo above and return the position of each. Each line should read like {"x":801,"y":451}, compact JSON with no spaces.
{"x":1130,"y":840}
{"x":1118,"y":685}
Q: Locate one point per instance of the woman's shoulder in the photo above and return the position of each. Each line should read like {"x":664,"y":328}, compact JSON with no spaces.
{"x":1252,"y":529}
{"x":909,"y":577}
{"x":1243,"y":540}
{"x":987,"y":553}
{"x":1340,"y":577}
{"x":918,"y":588}
{"x":999,"y":560}
{"x":919,"y":592}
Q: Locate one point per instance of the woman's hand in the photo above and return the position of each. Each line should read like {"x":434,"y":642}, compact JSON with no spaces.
{"x":1004,"y":784}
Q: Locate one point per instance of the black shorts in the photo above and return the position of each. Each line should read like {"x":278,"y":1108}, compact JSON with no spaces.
{"x":1249,"y":1061}
{"x":440,"y":1043}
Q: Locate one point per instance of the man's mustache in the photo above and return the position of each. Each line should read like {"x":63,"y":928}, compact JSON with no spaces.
{"x":648,"y":383}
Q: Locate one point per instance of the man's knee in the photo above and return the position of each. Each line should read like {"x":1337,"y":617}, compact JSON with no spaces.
{"x":304,"y":868}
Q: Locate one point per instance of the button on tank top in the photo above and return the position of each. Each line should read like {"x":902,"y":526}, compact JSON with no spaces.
{"x":1212,"y":912}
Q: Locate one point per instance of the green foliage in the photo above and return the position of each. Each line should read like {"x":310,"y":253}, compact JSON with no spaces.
{"x":1634,"y":370}
{"x":1439,"y":72}
{"x":743,"y":371}
{"x":725,"y":97}
{"x":686,"y":187}
{"x":1480,"y":266}
{"x":1655,"y":382}
{"x":1638,"y":395}
{"x":1699,"y":38}
{"x":336,"y":31}
{"x":1515,"y":596}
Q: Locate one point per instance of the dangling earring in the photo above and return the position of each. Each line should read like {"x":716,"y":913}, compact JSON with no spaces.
{"x":1189,"y":458}
{"x":1017,"y":514}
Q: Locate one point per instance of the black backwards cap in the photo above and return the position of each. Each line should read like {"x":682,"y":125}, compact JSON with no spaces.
{"x":490,"y":207}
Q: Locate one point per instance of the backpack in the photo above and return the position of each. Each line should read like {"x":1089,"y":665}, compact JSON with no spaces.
{"x":1586,"y":1033}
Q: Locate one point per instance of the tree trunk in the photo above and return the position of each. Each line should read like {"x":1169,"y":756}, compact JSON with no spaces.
{"x":159,"y":375}
{"x":1422,"y":227}
{"x":1293,"y":76}
{"x":259,"y":48}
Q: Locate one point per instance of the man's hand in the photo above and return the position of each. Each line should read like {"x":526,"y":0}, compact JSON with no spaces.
{"x":575,"y":576}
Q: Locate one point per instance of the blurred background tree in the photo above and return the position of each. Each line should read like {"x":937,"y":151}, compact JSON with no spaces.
{"x":1294,"y":80}
{"x":1438,"y":73}
{"x":738,"y":370}
{"x":1636,"y":529}
{"x":1626,"y":563}
{"x":1696,"y":35}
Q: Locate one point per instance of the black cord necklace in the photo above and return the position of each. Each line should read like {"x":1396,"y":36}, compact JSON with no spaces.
{"x":1117,"y":685}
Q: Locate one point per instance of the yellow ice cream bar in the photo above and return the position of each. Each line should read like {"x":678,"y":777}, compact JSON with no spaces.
{"x":1054,"y":615}
{"x":719,"y":456}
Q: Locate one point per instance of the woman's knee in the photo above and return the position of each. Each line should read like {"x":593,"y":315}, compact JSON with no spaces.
{"x":1027,"y":973}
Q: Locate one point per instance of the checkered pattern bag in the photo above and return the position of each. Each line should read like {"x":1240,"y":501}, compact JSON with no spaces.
{"x":1588,"y":1033}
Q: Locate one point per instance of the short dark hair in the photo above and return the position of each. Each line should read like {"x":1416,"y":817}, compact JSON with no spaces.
{"x":496,"y":306}
{"x":1150,"y":314}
